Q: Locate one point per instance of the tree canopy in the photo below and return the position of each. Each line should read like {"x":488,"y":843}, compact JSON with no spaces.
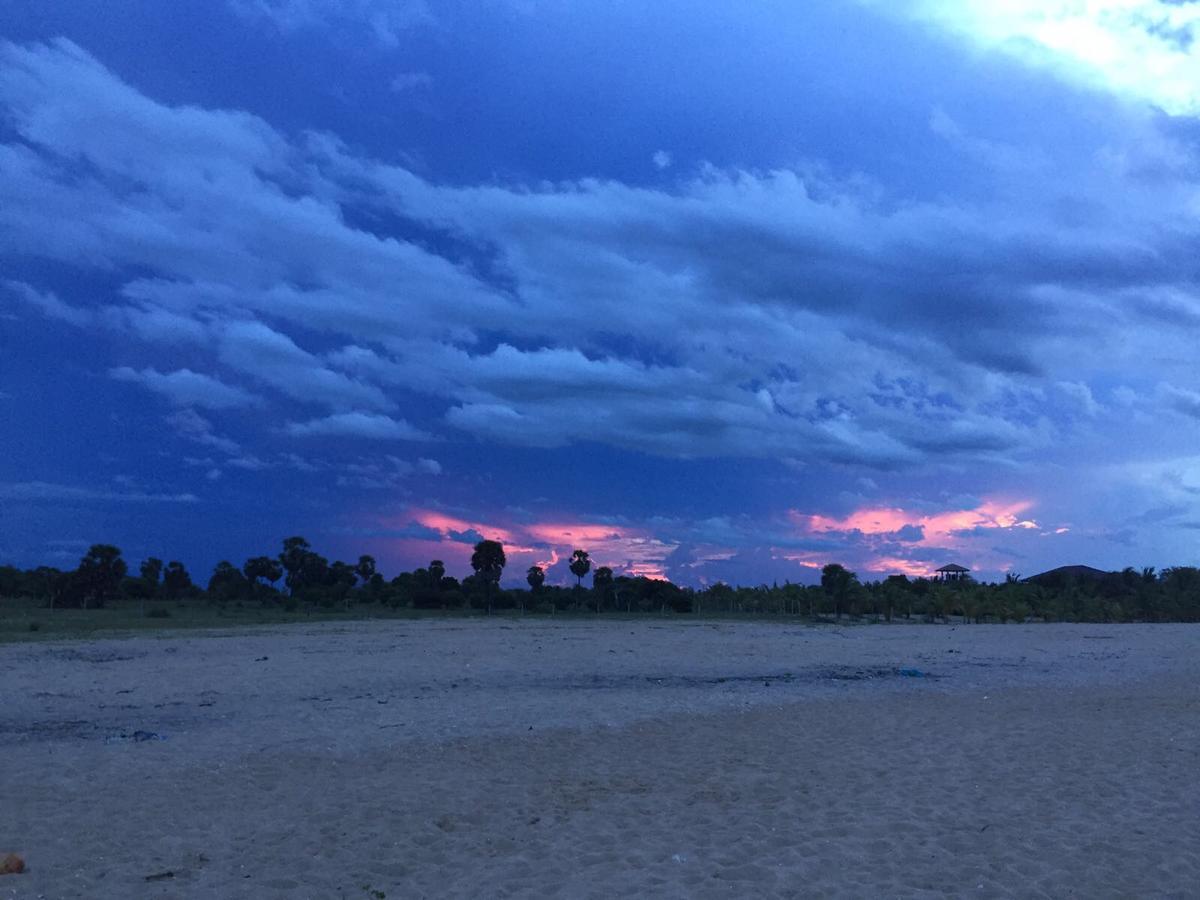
{"x":1071,"y":594}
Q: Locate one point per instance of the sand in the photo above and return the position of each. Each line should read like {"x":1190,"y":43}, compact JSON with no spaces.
{"x":593,"y":759}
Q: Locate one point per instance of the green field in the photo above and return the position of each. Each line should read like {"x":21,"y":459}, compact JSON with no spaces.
{"x":22,"y":619}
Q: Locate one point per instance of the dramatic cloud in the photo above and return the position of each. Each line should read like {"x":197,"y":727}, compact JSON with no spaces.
{"x":797,"y":354}
{"x":769,"y":338}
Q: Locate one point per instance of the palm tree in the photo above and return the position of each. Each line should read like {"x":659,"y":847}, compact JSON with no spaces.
{"x":536,"y":577}
{"x":99,"y":574}
{"x":437,"y":571}
{"x":151,"y":572}
{"x":365,"y":568}
{"x":580,"y":565}
{"x":488,"y":561}
{"x":602,"y":581}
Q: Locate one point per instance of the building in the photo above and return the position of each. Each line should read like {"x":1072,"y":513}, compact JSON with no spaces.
{"x":1065,"y":574}
{"x":951,"y":572}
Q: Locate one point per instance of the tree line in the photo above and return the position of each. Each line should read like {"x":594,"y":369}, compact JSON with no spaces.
{"x":298,"y":577}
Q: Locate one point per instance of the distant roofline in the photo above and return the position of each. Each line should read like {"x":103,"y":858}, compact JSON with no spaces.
{"x":1075,"y":570}
{"x":952,"y":567}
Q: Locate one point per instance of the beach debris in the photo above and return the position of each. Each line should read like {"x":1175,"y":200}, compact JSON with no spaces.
{"x":679,"y":858}
{"x":262,"y":659}
{"x":12,"y":865}
{"x":136,"y":737}
{"x":161,"y":876}
{"x":827,"y":673}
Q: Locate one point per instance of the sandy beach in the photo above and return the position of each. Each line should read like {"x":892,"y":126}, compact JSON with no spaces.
{"x":577,"y":758}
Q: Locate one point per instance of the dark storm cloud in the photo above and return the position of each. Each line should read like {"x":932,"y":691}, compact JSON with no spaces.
{"x":772,"y":272}
{"x":966,"y":275}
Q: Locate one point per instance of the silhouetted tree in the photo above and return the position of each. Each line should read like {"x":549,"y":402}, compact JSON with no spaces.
{"x":580,"y":565}
{"x":176,"y":581}
{"x":838,"y":582}
{"x":227,"y":583}
{"x":365,"y":568}
{"x":341,"y":580}
{"x":488,"y":561}
{"x":49,"y":584}
{"x":893,"y":589}
{"x":99,"y":574}
{"x":535,"y":578}
{"x":602,"y":581}
{"x":437,"y":571}
{"x":262,"y":568}
{"x":151,"y":572}
{"x":295,"y":553}
{"x":12,"y":581}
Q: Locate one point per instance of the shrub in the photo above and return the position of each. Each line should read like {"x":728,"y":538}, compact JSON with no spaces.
{"x":158,"y":613}
{"x":34,"y":626}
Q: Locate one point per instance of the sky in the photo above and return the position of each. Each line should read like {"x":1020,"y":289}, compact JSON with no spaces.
{"x":715,"y":291}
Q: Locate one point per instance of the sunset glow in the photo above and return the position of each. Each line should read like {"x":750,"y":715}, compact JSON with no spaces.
{"x":939,"y":528}
{"x":887,"y":532}
{"x":549,"y":544}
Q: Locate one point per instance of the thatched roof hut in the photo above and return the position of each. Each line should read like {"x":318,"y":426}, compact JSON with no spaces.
{"x":952,"y":572}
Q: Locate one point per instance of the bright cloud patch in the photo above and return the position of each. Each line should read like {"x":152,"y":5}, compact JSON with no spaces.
{"x":360,"y":425}
{"x":1143,"y":48}
{"x":187,"y":388}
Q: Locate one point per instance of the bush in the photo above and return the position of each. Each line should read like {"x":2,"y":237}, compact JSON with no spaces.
{"x":34,"y":626}
{"x":158,"y":613}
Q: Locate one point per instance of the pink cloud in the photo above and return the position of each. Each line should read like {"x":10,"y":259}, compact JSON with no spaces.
{"x":939,"y":528}
{"x":948,"y":530}
{"x":626,"y":550}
